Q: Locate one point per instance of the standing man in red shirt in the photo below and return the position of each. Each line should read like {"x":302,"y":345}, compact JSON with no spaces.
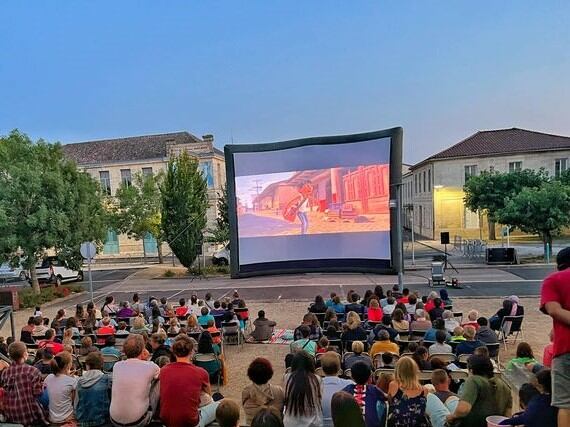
{"x":555,"y":301}
{"x":183,"y":387}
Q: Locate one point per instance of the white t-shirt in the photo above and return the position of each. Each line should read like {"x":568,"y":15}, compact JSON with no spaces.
{"x":439,"y":348}
{"x":132,"y":379}
{"x":60,"y":390}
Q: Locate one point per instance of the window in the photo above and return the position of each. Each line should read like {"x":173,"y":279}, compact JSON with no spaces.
{"x":560,"y":165}
{"x":126,"y":177}
{"x":415,"y":183}
{"x":515,"y":166}
{"x":429,"y":180}
{"x":424,"y":181}
{"x":470,"y":170}
{"x":105,"y":181}
{"x":147,"y":172}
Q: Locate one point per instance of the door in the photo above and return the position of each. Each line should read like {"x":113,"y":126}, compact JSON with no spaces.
{"x":150,"y":246}
{"x":111,"y":246}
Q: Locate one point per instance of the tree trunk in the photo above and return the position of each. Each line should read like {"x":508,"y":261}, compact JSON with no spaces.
{"x":491,"y":225}
{"x":547,"y":242}
{"x":159,"y":250}
{"x":34,"y":278}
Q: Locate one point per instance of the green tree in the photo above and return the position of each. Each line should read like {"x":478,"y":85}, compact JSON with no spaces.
{"x":543,"y":211}
{"x":137,"y":209}
{"x":221,"y":234}
{"x":489,"y":191}
{"x":564,"y":177}
{"x":184,"y":204}
{"x":45,"y":203}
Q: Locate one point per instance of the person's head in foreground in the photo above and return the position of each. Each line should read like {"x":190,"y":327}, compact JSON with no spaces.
{"x":480,"y":365}
{"x":330,"y":363}
{"x":133,"y":346}
{"x":182,"y":347}
{"x":407,"y":374}
{"x":18,"y":352}
{"x":303,"y":387}
{"x":360,"y":373}
{"x":345,"y":411}
{"x":267,"y":417}
{"x":440,"y":380}
{"x":563,"y":259}
{"x":227,"y":413}
{"x":260,"y":371}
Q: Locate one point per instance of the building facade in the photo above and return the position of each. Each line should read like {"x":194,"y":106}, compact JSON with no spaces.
{"x":113,"y":162}
{"x":433,"y":188}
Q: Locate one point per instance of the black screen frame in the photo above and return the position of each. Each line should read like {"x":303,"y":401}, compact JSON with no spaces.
{"x":349,"y":265}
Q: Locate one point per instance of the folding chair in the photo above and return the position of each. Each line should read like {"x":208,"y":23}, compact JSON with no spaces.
{"x":458,"y":314}
{"x":494,"y":350}
{"x":462,"y":359}
{"x":447,"y":358}
{"x":510,"y":325}
{"x":231,"y":332}
{"x":109,"y":361}
{"x":320,"y":318}
{"x":212,"y":364}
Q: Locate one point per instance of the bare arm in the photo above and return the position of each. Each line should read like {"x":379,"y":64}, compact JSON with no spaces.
{"x":555,"y":310}
{"x":462,"y":410}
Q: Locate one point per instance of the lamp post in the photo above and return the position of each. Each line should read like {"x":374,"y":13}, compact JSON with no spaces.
{"x":397,"y":204}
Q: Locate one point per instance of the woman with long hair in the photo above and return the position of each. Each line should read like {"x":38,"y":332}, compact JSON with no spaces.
{"x":399,"y":323}
{"x":60,"y":386}
{"x":192,"y":325}
{"x":345,"y":411}
{"x":354,"y":330}
{"x":319,"y":305}
{"x":303,"y":397}
{"x":379,"y":292}
{"x":375,"y":313}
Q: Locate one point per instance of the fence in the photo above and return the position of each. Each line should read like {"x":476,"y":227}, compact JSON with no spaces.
{"x":474,"y":248}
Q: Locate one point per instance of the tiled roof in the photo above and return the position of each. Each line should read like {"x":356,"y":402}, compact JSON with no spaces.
{"x":502,"y":142}
{"x":127,"y":149}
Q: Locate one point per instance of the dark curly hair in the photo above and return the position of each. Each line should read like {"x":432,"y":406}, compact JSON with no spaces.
{"x":260,"y":371}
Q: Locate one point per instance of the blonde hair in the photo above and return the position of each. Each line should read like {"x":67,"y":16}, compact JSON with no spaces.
{"x":407,"y":373}
{"x":357,"y":347}
{"x":173,"y":322}
{"x":352,"y":320}
{"x":138,"y":323}
{"x":458,"y":331}
{"x":373,"y":303}
{"x":473,"y":315}
{"x":469,"y":332}
{"x":192,"y":321}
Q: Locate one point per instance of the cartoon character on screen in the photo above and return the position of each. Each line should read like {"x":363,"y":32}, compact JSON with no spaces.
{"x":299,"y":206}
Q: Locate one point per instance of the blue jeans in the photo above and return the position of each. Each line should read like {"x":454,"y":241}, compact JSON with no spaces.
{"x":304,"y":221}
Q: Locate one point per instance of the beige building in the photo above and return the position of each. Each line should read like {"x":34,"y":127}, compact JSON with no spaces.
{"x":116,"y":161}
{"x":433,"y":188}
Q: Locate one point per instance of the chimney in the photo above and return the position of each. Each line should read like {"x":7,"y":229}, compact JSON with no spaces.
{"x":208,"y":138}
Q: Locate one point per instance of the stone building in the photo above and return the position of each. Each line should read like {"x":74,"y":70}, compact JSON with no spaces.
{"x":433,"y":188}
{"x":116,"y":161}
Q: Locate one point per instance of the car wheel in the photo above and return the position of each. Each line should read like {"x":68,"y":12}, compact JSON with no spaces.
{"x":80,"y":276}
{"x":23,"y":276}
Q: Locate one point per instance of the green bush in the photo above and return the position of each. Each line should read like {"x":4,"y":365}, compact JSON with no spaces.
{"x":169,"y":273}
{"x":28,"y":299}
{"x":210,"y":270}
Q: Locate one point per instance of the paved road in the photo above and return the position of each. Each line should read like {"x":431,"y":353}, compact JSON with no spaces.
{"x":102,"y":278}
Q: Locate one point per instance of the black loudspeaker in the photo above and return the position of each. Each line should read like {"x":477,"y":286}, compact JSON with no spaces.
{"x":501,"y":256}
{"x":444,"y":236}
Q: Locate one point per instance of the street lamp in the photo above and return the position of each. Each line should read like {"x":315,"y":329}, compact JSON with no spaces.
{"x":397,"y":204}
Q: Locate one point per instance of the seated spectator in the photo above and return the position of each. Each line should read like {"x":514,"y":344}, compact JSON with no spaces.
{"x":437,"y":311}
{"x":109,"y":306}
{"x":345,"y":411}
{"x":59,"y":320}
{"x":319,"y":305}
{"x":126,"y":310}
{"x":329,"y":303}
{"x":470,"y":344}
{"x":139,"y":326}
{"x":261,"y":393}
{"x":181,"y":387}
{"x":404,"y":299}
{"x":396,"y":292}
{"x":421,"y":323}
{"x":26,"y":332}
{"x":230,"y":315}
{"x":386,"y":325}
{"x":441,"y":380}
{"x":379,"y":292}
{"x":110,"y":349}
{"x":472,"y":317}
{"x":524,"y":356}
{"x":357,"y":356}
{"x":330,"y":315}
{"x":211,"y":328}
{"x":449,"y":320}
{"x":267,"y":417}
{"x":323,"y":345}
{"x":369,"y":397}
{"x":182,"y":310}
{"x":375,"y":313}
{"x":330,"y":364}
{"x":334,"y":330}
{"x":227,"y":413}
{"x":384,"y":380}
{"x":444,"y":296}
{"x":430,"y":302}
{"x":411,"y":305}
{"x":482,"y":395}
{"x":384,"y":345}
{"x":365,"y":301}
{"x":217,"y":310}
{"x":192,"y":325}
{"x":204,"y":317}
{"x":50,"y":342}
{"x":354,"y":306}
{"x":305,"y":343}
{"x":134,"y":395}
{"x":398,"y":321}
{"x":511,"y":307}
{"x":354,"y":331}
{"x":390,"y":306}
{"x":315,"y":331}
{"x":93,"y":393}
{"x":122,"y":329}
{"x":208,"y":301}
{"x":263,"y":327}
{"x":303,"y":395}
{"x":157,"y":343}
{"x":388,"y":360}
{"x":438,"y":325}
{"x":39,"y":328}
{"x":457,"y":335}
{"x":44,"y":358}
{"x":337,"y":306}
{"x":86,"y":346}
{"x":536,"y":404}
{"x":206,"y":345}
{"x":106,"y":327}
{"x":548,"y":353}
{"x":384,"y":299}
{"x":486,"y":335}
{"x":236,"y":300}
{"x":440,"y":346}
{"x":173,"y":326}
{"x":421,"y":357}
{"x":60,"y":386}
{"x":162,"y":306}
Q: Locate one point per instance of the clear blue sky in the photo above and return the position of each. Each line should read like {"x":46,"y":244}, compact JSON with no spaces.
{"x":262,"y":71}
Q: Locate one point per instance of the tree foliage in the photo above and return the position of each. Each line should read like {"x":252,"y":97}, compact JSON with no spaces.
{"x":543,"y":210}
{"x":221,"y":234}
{"x":137,"y":209}
{"x":45,"y":203}
{"x":184,"y":204}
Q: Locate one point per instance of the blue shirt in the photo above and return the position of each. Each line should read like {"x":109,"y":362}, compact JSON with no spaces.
{"x":203,"y":320}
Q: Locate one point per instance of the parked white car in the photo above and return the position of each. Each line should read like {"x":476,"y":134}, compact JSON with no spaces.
{"x":9,"y":272}
{"x":53,"y":270}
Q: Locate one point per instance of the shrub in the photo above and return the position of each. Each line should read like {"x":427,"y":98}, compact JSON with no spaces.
{"x":169,"y":273}
{"x":29,"y":299}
